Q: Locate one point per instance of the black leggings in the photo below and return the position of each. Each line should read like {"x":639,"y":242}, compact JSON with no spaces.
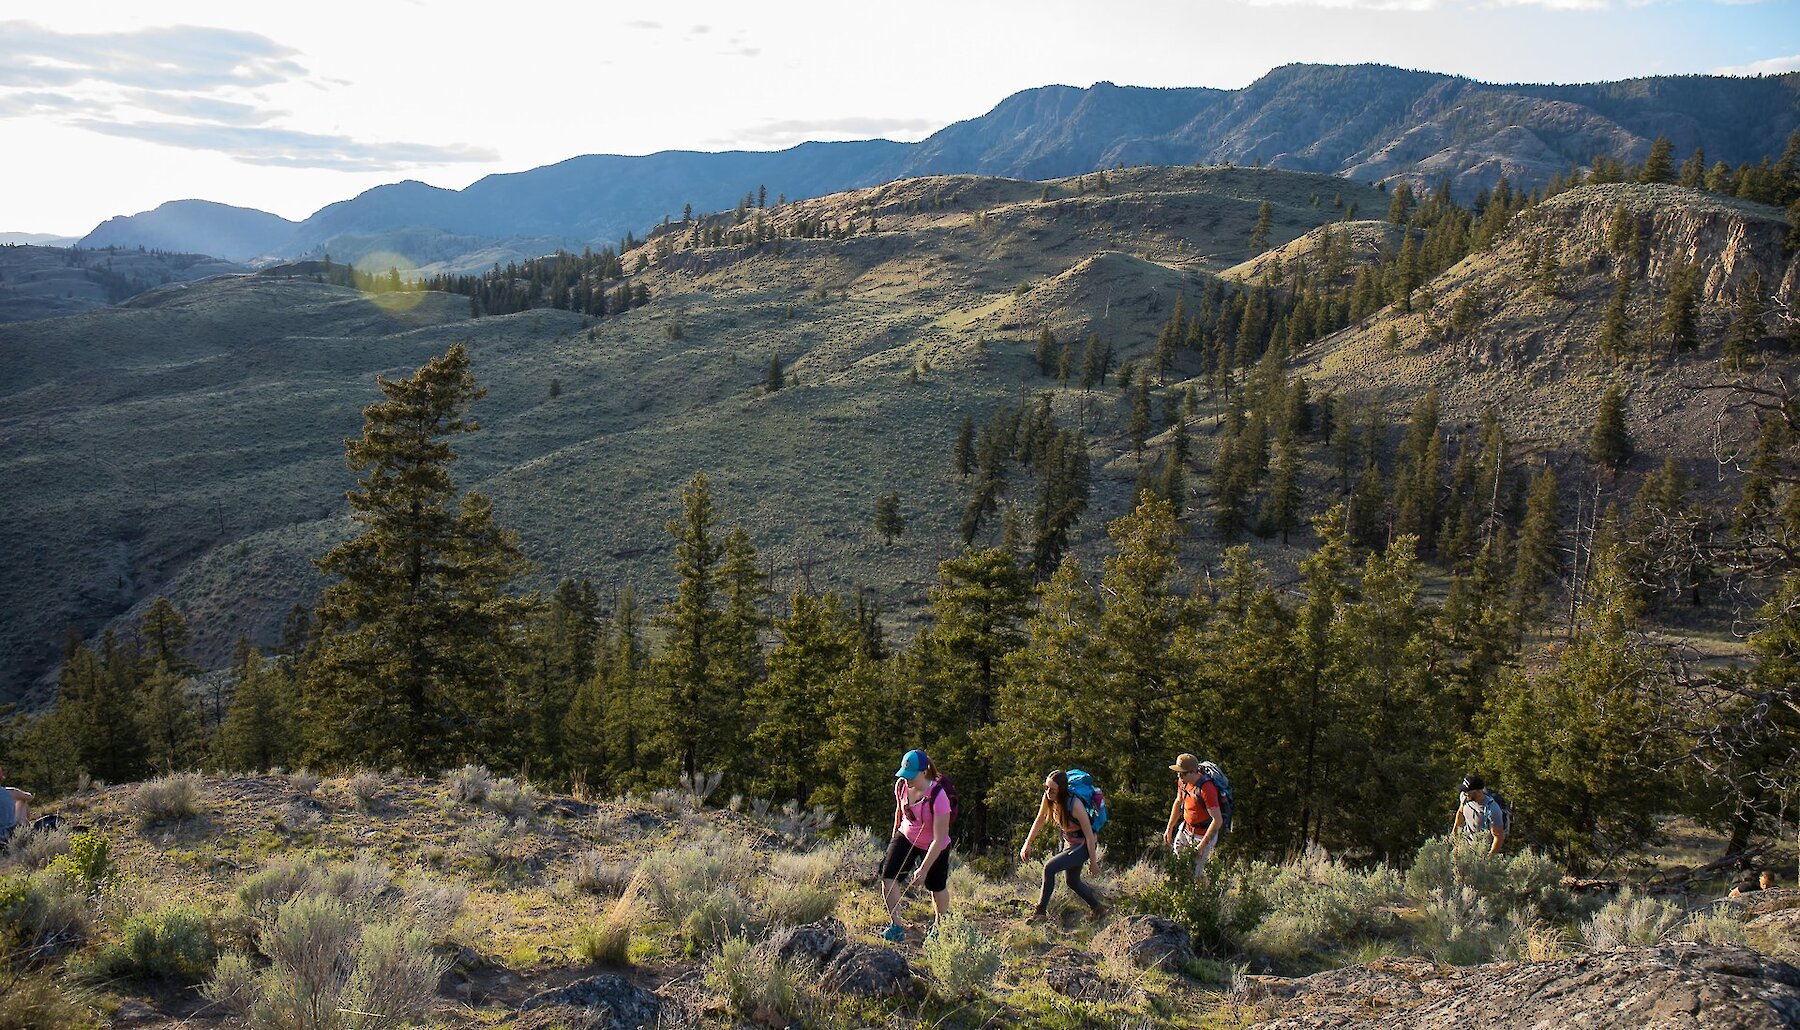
{"x":1068,"y":861}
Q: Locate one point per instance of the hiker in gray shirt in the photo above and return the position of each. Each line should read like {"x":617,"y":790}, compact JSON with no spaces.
{"x":1480,"y":815}
{"x":15,"y":808}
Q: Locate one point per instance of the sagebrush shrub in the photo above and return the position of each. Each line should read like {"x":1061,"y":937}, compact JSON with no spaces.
{"x":35,"y":849}
{"x":1317,"y":904}
{"x":302,"y":782}
{"x":1716,"y":925}
{"x":960,"y":957}
{"x":512,"y":799}
{"x":752,"y":980}
{"x":1217,"y":910}
{"x":470,"y":784}
{"x":717,"y":915}
{"x":41,"y":913}
{"x":675,"y":881}
{"x":796,"y":904}
{"x":168,"y":799}
{"x":1632,"y":919}
{"x":1462,"y":929}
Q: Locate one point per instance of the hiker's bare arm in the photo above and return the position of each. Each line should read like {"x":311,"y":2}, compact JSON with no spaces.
{"x":19,"y":795}
{"x":1212,"y":828}
{"x":1174,"y":817}
{"x":1499,"y":839}
{"x":1031,"y":835}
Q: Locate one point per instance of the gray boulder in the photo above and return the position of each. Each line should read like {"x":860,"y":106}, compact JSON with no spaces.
{"x":813,"y":944}
{"x":868,"y":971}
{"x":610,"y":1002}
{"x":1147,"y":942}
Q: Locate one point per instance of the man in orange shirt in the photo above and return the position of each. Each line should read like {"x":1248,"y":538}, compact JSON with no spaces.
{"x":1194,"y":819}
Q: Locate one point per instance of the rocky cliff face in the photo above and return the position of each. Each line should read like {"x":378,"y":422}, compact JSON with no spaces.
{"x":1725,"y":238}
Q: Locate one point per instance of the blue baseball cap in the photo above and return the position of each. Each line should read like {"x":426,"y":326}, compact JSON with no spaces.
{"x":912,"y":765}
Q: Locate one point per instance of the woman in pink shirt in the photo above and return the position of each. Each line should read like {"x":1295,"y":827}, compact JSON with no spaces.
{"x":923,"y":808}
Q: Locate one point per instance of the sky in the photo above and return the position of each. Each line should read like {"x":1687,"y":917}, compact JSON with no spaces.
{"x":111,"y":107}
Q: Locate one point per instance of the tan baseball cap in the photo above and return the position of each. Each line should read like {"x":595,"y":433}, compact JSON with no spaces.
{"x":1186,"y":764}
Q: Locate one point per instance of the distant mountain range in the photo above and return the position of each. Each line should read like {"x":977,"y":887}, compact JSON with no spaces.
{"x":1367,"y":122}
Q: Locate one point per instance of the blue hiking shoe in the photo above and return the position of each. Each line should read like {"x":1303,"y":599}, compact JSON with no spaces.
{"x":894,"y":934}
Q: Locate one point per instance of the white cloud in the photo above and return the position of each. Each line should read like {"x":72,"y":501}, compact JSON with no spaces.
{"x":1772,"y":66}
{"x":1433,"y":5}
{"x":189,"y":87}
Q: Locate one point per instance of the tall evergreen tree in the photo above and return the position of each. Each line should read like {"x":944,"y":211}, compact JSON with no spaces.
{"x":1537,"y":546}
{"x":788,"y":710}
{"x":1259,"y":233}
{"x":416,"y":630}
{"x":1609,"y":443}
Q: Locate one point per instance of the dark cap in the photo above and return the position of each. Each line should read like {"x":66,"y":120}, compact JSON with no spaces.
{"x":1472,"y":783}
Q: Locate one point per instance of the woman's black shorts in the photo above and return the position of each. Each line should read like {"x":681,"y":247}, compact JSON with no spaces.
{"x":903,"y":856}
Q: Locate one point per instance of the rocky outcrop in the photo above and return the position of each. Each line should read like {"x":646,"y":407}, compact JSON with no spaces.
{"x":1695,"y":986}
{"x":1147,"y":942}
{"x":1725,"y":238}
{"x":813,"y":944}
{"x":604,"y":1002}
{"x":868,"y":971}
{"x":1077,"y":974}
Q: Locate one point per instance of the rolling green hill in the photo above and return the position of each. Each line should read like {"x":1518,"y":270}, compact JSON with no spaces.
{"x":190,"y":443}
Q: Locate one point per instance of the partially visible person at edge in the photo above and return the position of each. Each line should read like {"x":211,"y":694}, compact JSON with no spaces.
{"x":921,"y":842}
{"x":1194,"y":819}
{"x":1071,"y":817}
{"x":1479,"y":815}
{"x":15,"y":808}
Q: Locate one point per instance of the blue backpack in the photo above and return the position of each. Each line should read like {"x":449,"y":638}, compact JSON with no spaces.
{"x":1211,"y":771}
{"x":1083,"y":787}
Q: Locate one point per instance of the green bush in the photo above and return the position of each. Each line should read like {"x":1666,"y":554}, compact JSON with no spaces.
{"x":1217,"y":910}
{"x":718,"y":915}
{"x":796,"y":904}
{"x":678,"y":880}
{"x":171,"y":943}
{"x":41,"y":913}
{"x":88,"y":863}
{"x":960,"y":957}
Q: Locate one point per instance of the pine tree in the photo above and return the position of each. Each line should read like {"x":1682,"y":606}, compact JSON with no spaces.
{"x":1046,"y":350}
{"x":1400,"y":208}
{"x":978,"y":612}
{"x":1049,"y":685}
{"x":1581,"y":747}
{"x":259,"y":731}
{"x":1681,"y":308}
{"x":1405,"y":276}
{"x":963,"y":454}
{"x":1138,"y":426}
{"x":171,"y":721}
{"x":96,"y":710}
{"x":776,"y":378}
{"x":1094,"y":359}
{"x":165,"y":636}
{"x":693,"y":714}
{"x":416,"y":633}
{"x":1537,"y":547}
{"x":1615,"y":329}
{"x":815,"y":645}
{"x":889,"y":523}
{"x":1259,"y":234}
{"x":1747,"y":324}
{"x":1659,"y":166}
{"x":1609,"y":443}
{"x":1284,"y":502}
{"x":737,"y":664}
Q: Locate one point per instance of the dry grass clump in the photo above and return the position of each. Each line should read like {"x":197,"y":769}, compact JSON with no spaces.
{"x":365,"y":787}
{"x":302,"y":782}
{"x":32,"y":1001}
{"x":593,"y":873}
{"x":611,"y":940}
{"x":168,"y":799}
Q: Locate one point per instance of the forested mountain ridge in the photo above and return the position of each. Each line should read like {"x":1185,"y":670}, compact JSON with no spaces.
{"x":891,"y":314}
{"x":1365,"y":122}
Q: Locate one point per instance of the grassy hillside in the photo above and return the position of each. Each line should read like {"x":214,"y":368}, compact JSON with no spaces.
{"x":190,"y":443}
{"x":48,"y":282}
{"x":524,"y":909}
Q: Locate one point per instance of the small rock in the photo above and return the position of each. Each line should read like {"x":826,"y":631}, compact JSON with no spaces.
{"x":868,"y":971}
{"x":814,"y":943}
{"x":133,"y":1013}
{"x":624,"y":1005}
{"x":1148,"y":942}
